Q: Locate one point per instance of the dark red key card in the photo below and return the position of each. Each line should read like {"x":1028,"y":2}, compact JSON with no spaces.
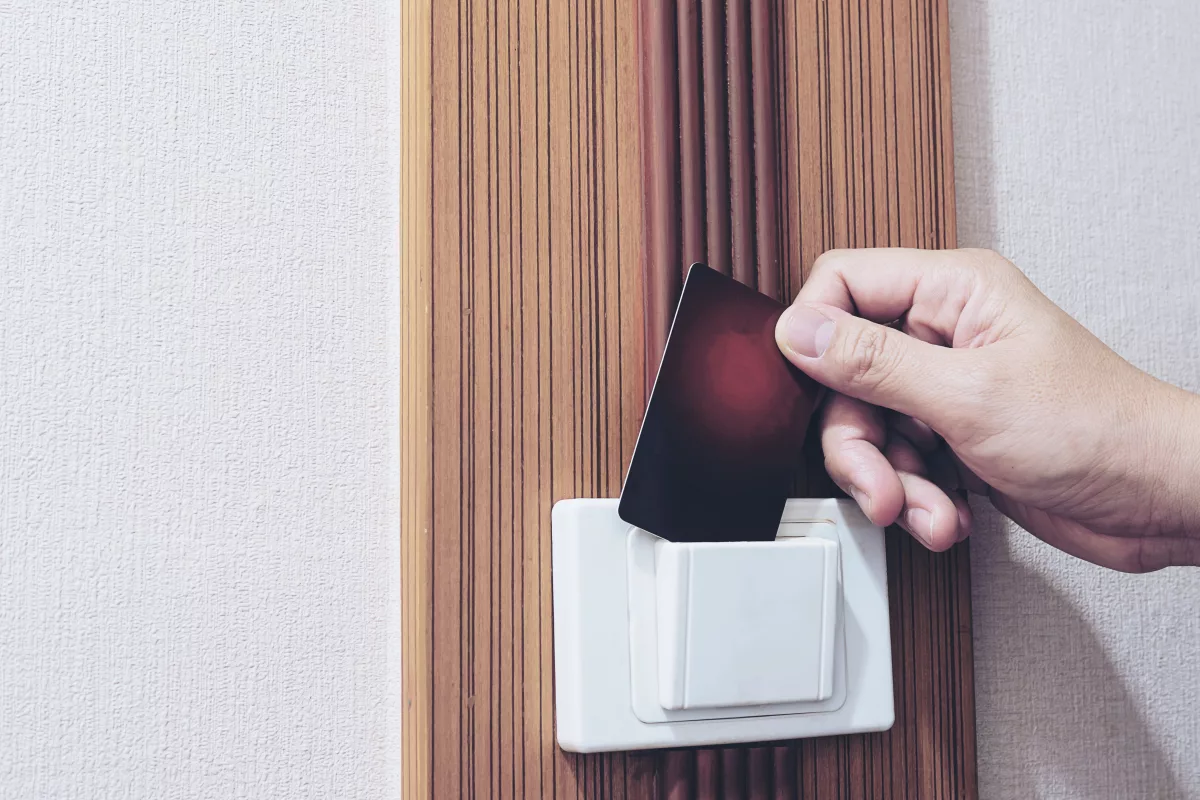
{"x":725,"y":422}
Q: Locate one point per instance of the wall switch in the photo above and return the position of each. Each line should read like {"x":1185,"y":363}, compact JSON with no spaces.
{"x":746,"y":623}
{"x":660,"y":644}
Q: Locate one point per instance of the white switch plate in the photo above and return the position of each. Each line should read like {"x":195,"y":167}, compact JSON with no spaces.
{"x":606,"y":647}
{"x":743,"y":623}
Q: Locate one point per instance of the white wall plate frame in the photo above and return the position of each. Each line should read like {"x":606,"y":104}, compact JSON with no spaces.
{"x":605,"y":637}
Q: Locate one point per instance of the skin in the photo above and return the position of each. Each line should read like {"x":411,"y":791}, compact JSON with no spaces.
{"x":949,"y":372}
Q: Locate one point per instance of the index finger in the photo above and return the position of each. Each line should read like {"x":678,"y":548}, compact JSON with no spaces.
{"x":883,"y":284}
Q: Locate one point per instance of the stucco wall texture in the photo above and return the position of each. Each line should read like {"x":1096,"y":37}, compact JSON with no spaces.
{"x":198,"y":399}
{"x":1077,"y":140}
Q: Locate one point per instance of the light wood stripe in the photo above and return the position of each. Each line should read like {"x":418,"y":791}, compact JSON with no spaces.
{"x":416,"y":352}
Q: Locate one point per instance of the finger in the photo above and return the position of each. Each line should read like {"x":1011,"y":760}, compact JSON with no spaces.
{"x":929,"y":513}
{"x":852,"y":435}
{"x":935,"y":460}
{"x":1136,"y":554}
{"x":883,"y":284}
{"x":914,"y":326}
{"x":935,"y":466}
{"x":903,"y":456}
{"x":877,"y":364}
{"x":917,"y":432}
{"x":966,"y":518}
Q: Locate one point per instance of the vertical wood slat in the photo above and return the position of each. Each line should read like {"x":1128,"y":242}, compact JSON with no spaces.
{"x":416,"y":293}
{"x":691,"y":137}
{"x":764,"y":63}
{"x":524,"y":332}
{"x":659,"y":92}
{"x":741,"y":139}
{"x":716,"y":135}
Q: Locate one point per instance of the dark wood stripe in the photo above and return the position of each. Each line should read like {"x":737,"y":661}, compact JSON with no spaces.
{"x":708,"y":775}
{"x":784,"y":779}
{"x":760,"y":773}
{"x":763,"y":27}
{"x":691,"y":138}
{"x":741,"y":140}
{"x":716,"y":136}
{"x":660,"y":148}
{"x":677,"y":775}
{"x":733,"y":773}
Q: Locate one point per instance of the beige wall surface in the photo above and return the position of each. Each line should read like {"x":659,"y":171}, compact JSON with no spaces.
{"x":1077,"y":138}
{"x":198,"y":401}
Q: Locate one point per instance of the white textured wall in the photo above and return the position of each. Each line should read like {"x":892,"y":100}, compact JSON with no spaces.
{"x":1077,"y":133}
{"x":198,"y":399}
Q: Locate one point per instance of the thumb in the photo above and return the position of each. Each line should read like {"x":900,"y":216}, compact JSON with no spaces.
{"x":874,"y":363}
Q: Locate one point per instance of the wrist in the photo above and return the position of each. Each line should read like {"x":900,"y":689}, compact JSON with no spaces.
{"x":1171,"y":461}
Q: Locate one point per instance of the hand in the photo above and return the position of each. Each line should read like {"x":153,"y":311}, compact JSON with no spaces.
{"x":950,"y":372}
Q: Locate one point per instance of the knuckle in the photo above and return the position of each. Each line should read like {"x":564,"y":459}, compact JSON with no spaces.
{"x":826,"y":260}
{"x":979,"y":259}
{"x":866,"y":356}
{"x":987,"y":265}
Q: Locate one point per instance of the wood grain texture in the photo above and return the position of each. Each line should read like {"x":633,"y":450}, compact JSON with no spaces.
{"x":739,"y":100}
{"x":416,"y":354}
{"x":528,"y":335}
{"x":660,"y":140}
{"x":691,"y":138}
{"x":716,"y":135}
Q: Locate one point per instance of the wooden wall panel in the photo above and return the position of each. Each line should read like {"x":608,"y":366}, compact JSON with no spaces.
{"x":526,"y":328}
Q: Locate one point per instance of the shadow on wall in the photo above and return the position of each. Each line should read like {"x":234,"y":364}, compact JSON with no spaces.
{"x":1056,"y":719}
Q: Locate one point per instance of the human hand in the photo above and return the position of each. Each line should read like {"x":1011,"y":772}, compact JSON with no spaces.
{"x":950,"y":372}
